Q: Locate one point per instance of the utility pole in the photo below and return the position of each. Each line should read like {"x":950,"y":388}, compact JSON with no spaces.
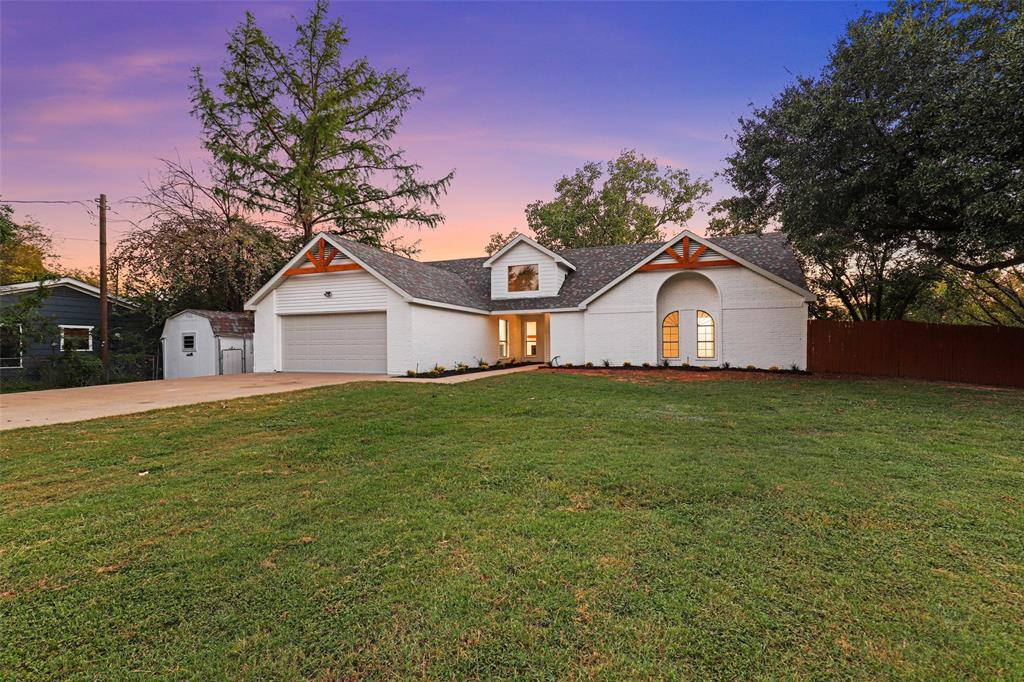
{"x":104,"y":327}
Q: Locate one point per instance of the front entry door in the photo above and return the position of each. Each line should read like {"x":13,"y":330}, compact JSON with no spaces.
{"x":531,"y":343}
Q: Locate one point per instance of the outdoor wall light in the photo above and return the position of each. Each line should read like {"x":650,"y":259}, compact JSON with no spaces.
{"x":327,"y":294}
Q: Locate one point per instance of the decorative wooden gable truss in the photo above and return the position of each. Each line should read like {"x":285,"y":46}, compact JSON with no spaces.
{"x":687,"y":255}
{"x":322,"y":256}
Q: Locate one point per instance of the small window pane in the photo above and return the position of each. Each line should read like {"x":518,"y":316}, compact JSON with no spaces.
{"x":531,"y":338}
{"x":523,"y":278}
{"x":188,"y":342}
{"x":670,"y":336}
{"x":705,"y":335}
{"x":503,"y":338}
{"x":76,"y":338}
{"x":10,"y":346}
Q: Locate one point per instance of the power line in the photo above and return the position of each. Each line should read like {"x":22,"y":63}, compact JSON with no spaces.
{"x":46,"y":201}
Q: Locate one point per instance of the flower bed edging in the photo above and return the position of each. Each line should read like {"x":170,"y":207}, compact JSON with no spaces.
{"x":679,"y":368}
{"x":467,"y":370}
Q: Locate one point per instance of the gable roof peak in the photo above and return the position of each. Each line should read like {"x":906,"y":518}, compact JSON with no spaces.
{"x":523,"y":239}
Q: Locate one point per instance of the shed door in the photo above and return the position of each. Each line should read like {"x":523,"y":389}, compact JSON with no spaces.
{"x":349,"y":342}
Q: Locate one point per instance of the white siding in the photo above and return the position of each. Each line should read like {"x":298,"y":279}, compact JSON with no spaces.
{"x":198,"y":363}
{"x":350,"y":292}
{"x":709,"y":254}
{"x":549,"y":272}
{"x":567,"y":337}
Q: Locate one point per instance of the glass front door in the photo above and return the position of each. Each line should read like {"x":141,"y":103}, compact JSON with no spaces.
{"x":530,"y":338}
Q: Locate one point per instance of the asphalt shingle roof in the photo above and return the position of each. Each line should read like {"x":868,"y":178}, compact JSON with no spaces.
{"x":466,"y":282}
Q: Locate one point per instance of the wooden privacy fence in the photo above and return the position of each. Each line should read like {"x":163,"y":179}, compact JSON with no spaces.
{"x":946,"y":352}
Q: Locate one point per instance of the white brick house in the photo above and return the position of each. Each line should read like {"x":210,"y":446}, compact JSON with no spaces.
{"x":341,"y":306}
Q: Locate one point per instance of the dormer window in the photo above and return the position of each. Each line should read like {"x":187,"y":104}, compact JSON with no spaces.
{"x":523,"y":277}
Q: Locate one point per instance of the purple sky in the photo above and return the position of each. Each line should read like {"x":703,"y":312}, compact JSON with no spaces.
{"x":93,"y":93}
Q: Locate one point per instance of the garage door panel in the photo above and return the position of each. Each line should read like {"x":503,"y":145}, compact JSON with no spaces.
{"x":353,"y":342}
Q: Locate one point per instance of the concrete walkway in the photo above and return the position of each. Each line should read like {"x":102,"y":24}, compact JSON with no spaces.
{"x":58,"y":406}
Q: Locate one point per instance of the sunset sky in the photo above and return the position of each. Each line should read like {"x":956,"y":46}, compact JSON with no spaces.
{"x":94,"y":93}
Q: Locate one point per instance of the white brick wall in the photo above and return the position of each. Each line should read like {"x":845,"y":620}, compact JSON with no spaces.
{"x":441,"y":336}
{"x":568,"y":333}
{"x":266,"y":335}
{"x":758,"y":321}
{"x":399,"y":334}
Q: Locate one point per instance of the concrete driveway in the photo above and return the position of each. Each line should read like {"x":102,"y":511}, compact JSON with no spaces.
{"x":37,"y":408}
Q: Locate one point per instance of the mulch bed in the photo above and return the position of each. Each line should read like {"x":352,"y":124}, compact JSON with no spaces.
{"x":468,"y":370}
{"x":643,"y":374}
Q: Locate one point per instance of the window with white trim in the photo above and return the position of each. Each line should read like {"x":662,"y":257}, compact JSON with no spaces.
{"x":502,"y":338}
{"x":524,"y":277}
{"x":11,"y":350}
{"x":75,"y":337}
{"x":530,"y":334}
{"x":188,"y":342}
{"x":670,"y":335}
{"x":705,"y":335}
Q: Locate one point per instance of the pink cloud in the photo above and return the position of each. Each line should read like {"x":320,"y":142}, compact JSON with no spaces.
{"x":86,"y":109}
{"x":109,"y":73}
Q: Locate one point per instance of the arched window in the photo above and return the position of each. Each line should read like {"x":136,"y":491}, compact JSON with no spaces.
{"x":670,"y":336}
{"x":705,"y":335}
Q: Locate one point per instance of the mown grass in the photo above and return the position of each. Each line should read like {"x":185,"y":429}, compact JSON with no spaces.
{"x":529,"y":526}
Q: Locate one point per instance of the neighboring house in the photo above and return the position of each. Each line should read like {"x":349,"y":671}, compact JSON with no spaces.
{"x":341,"y":306}
{"x":73,"y":306}
{"x":206,"y":342}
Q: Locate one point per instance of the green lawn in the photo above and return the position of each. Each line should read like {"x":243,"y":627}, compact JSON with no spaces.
{"x":533,"y":526}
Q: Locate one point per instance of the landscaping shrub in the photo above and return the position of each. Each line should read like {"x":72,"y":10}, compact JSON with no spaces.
{"x":131,"y":367}
{"x":71,"y":368}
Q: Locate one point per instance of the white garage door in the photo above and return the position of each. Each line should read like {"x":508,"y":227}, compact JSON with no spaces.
{"x":350,"y":342}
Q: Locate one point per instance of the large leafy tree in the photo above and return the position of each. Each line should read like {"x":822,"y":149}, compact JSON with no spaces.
{"x":629,"y":200}
{"x":911,"y":137}
{"x":992,"y":298}
{"x":26,"y":248}
{"x":195,"y":248}
{"x":307,"y":134}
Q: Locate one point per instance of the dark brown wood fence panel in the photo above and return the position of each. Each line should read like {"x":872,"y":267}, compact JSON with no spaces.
{"x":945,"y":352}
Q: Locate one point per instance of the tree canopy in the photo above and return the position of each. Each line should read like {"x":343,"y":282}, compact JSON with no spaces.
{"x":911,"y":137}
{"x":26,"y":248}
{"x":195,"y":249}
{"x":628,"y":200}
{"x":306,"y":134}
